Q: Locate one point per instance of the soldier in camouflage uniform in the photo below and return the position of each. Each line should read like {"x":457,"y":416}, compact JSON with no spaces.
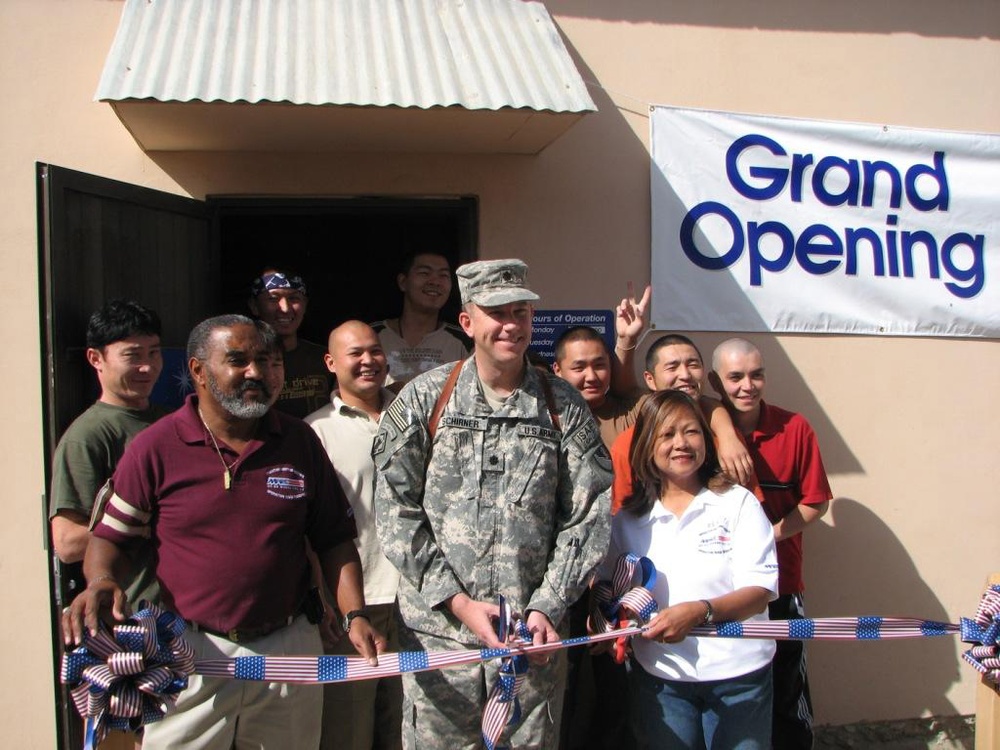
{"x":510,"y":496}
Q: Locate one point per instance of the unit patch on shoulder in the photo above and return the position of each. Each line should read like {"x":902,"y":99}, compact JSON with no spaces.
{"x":587,"y":436}
{"x":603,"y":459}
{"x":379,"y":444}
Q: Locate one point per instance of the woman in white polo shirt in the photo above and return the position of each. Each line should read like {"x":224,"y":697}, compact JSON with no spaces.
{"x":713,"y":549}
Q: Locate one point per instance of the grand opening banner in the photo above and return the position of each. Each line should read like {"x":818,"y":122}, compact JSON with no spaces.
{"x":791,"y":225}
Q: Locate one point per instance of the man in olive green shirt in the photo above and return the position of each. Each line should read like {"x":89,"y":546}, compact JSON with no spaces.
{"x":123,"y":347}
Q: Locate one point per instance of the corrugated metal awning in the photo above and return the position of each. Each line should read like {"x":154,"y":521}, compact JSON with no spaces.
{"x":344,"y":75}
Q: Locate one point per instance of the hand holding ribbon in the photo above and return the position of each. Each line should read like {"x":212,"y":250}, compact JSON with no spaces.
{"x":618,"y":604}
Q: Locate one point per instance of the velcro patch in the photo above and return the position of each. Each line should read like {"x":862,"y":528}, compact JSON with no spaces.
{"x":534,"y":430}
{"x":401,"y":416}
{"x":464,"y":423}
{"x":379,"y":445}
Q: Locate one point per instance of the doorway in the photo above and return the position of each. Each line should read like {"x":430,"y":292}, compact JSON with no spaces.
{"x":100,"y":239}
{"x":347,"y":250}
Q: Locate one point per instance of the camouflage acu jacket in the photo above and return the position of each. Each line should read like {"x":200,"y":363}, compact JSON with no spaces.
{"x":505,"y":503}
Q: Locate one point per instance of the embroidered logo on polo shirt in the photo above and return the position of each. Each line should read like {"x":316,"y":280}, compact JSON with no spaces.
{"x":286,"y":482}
{"x":716,"y":540}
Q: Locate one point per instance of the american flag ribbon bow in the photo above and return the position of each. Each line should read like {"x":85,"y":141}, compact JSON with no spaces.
{"x":125,"y":678}
{"x":983,"y":631}
{"x":619,"y":603}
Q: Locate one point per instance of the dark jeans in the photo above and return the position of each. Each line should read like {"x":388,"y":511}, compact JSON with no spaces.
{"x":731,"y":714}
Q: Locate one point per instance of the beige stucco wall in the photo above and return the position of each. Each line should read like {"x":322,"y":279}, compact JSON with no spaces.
{"x":903,"y":423}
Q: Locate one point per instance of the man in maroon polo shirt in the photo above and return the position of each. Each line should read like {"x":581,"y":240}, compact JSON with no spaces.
{"x":790,"y":470}
{"x":228,"y":490}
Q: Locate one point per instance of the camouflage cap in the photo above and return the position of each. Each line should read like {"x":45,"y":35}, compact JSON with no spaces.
{"x":489,"y":283}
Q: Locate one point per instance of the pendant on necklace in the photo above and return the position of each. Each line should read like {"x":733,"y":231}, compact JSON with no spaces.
{"x":227,"y":480}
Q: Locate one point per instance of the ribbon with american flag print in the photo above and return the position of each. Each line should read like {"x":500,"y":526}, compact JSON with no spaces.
{"x":983,"y":631}
{"x":312,"y":670}
{"x":502,"y":706}
{"x":829,"y":629}
{"x":126,"y":677}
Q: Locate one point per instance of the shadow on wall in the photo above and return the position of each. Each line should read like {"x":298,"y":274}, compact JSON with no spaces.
{"x":855,"y":565}
{"x":963,"y":18}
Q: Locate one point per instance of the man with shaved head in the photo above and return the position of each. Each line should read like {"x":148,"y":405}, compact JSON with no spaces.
{"x":364,"y":714}
{"x":788,"y":465}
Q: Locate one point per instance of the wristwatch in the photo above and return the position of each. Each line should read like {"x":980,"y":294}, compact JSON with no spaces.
{"x":354,"y":613}
{"x":709,"y":612}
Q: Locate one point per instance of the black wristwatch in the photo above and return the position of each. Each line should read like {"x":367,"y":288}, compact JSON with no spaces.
{"x":350,"y":616}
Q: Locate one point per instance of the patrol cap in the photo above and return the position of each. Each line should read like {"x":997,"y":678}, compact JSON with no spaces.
{"x":489,"y":283}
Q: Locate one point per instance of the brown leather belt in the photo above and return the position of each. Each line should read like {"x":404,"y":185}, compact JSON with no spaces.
{"x":242,"y":635}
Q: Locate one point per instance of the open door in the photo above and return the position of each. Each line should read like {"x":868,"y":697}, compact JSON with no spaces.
{"x":100,"y":239}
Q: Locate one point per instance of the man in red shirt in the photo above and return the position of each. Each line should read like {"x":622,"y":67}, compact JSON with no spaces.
{"x":790,"y":470}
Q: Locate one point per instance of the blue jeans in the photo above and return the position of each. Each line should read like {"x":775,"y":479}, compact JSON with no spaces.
{"x":733,"y":714}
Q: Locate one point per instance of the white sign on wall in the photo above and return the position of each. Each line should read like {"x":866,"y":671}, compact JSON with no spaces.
{"x":782,"y":224}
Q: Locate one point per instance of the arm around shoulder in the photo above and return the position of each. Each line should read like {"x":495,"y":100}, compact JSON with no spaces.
{"x":733,"y":454}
